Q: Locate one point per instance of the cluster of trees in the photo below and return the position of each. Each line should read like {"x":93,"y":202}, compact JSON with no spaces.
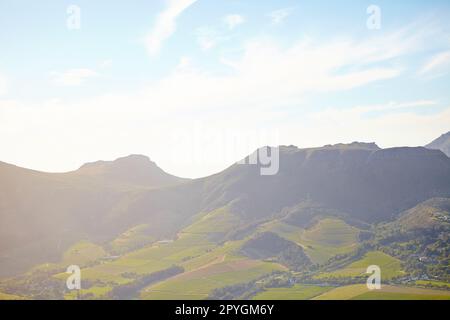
{"x":423,"y":252}
{"x":238,"y":291}
{"x":269,"y":245}
{"x":40,"y":285}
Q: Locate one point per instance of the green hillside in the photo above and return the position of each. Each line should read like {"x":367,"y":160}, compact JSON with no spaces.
{"x":390,"y":267}
{"x":309,"y":232}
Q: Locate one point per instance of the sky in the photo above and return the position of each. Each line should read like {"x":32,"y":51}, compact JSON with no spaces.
{"x":198,"y":84}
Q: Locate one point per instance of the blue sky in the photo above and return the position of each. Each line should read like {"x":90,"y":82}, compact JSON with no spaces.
{"x":178,"y":79}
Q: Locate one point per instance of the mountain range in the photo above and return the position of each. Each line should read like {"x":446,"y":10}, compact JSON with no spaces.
{"x":42,"y":215}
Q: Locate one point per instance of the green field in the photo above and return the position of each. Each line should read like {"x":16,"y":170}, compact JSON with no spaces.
{"x":219,"y":221}
{"x":209,"y":263}
{"x":297,"y":292}
{"x":329,"y":237}
{"x":199,"y":283}
{"x":5,"y":296}
{"x":95,"y":292}
{"x":361,"y":292}
{"x":194,"y":250}
{"x":401,"y":296}
{"x":390,"y":267}
{"x":147,"y":260}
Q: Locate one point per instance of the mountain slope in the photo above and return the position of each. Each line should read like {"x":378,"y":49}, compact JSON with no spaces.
{"x":369,"y":183}
{"x":442,"y":143}
{"x":41,"y":214}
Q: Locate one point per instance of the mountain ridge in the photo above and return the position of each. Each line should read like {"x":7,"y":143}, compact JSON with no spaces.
{"x":367,"y":183}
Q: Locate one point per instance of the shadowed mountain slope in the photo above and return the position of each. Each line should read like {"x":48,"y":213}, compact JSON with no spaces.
{"x":41,"y":214}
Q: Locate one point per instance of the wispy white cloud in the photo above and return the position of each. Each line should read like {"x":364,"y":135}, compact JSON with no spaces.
{"x":278,"y":16}
{"x":260,"y":81}
{"x":73,"y":77}
{"x":233,"y":20}
{"x":437,"y":64}
{"x":165,"y":24}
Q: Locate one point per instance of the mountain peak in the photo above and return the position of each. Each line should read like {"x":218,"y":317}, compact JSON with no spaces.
{"x":442,"y":143}
{"x":133,"y":169}
{"x":135,"y":159}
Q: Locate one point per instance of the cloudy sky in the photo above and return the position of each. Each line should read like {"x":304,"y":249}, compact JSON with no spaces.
{"x":198,"y":84}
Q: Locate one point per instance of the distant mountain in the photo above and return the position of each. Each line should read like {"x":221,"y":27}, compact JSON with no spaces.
{"x":135,"y":170}
{"x":442,"y":143}
{"x":41,"y":214}
{"x":369,"y":183}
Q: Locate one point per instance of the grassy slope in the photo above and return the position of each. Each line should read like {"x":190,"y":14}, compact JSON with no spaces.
{"x":131,"y":239}
{"x":195,"y":251}
{"x":197,"y":284}
{"x":390,"y":267}
{"x":219,"y":266}
{"x":83,"y":252}
{"x":209,"y":266}
{"x":327,"y":238}
{"x":192,"y":242}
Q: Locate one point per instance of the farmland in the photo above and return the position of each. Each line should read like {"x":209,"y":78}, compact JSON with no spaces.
{"x":390,"y":267}
{"x":297,"y":292}
{"x":361,"y":292}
